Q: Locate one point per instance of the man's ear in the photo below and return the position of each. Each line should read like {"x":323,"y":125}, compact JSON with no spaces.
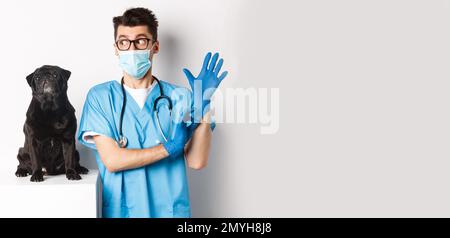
{"x":66,"y":74}
{"x":156,"y":48}
{"x":30,"y":80}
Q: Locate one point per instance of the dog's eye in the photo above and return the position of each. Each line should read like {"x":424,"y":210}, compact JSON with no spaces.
{"x":54,"y":76}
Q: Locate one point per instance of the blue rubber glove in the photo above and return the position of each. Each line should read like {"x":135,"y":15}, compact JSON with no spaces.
{"x":179,"y":138}
{"x":205,"y":84}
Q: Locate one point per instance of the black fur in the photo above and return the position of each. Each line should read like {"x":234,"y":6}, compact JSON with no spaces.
{"x":50,"y":128}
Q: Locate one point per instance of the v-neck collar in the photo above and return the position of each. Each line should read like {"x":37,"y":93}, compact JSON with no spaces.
{"x":140,"y":95}
{"x":148,"y":105}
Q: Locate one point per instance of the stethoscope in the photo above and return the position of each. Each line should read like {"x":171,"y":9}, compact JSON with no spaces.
{"x":123,"y":141}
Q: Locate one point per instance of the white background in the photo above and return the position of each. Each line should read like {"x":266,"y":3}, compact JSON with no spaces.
{"x":364,"y":103}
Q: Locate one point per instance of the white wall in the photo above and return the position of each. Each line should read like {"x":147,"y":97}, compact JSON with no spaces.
{"x":364,"y":102}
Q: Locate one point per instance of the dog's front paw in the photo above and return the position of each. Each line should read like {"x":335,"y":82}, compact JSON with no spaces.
{"x":37,"y":177}
{"x":72,"y":175}
{"x":82,"y":170}
{"x":21,"y":172}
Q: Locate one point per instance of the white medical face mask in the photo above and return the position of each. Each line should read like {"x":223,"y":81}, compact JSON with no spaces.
{"x":135,"y":63}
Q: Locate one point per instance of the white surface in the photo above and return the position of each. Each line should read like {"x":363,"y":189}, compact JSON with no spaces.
{"x":54,"y":197}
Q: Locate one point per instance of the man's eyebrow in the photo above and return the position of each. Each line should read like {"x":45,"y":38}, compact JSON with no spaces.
{"x":128,"y":37}
{"x":143,"y":35}
{"x":121,"y":36}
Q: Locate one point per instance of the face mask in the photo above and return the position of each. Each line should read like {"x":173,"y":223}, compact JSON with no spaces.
{"x":135,"y":63}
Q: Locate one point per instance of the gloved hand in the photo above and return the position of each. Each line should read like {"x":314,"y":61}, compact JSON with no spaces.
{"x":205,"y":84}
{"x":179,"y":138}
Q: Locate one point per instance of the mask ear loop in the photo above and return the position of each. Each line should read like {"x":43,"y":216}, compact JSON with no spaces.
{"x":151,"y":48}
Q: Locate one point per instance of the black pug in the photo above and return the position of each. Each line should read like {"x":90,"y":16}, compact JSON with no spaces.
{"x":49,"y":128}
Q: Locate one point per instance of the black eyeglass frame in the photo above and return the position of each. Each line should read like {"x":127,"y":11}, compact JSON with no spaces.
{"x":134,"y":43}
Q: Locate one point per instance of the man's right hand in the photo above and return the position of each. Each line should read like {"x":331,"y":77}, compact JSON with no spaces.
{"x":175,"y":145}
{"x":205,"y":84}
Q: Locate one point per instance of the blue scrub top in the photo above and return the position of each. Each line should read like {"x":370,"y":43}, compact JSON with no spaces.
{"x":156,"y":190}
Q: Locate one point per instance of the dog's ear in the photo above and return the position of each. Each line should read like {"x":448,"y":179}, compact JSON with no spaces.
{"x":30,"y":80}
{"x":65,"y":74}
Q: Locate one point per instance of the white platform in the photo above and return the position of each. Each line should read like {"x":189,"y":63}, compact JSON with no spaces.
{"x":54,"y":197}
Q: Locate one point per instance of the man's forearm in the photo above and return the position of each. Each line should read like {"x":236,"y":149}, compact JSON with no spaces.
{"x":200,"y":144}
{"x":136,"y":158}
{"x":117,"y":159}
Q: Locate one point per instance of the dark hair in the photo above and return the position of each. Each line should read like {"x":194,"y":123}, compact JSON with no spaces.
{"x":137,"y":17}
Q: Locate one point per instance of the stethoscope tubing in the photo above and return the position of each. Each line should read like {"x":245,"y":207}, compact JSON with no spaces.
{"x":122,"y":139}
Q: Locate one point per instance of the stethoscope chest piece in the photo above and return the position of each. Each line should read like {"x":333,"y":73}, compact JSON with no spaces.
{"x":123,"y":141}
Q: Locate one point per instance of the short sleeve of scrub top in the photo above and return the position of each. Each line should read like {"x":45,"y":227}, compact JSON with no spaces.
{"x":94,"y":119}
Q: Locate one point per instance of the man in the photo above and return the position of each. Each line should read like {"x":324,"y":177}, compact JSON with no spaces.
{"x":135,"y":127}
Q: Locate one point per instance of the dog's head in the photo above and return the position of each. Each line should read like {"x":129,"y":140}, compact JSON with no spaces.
{"x":49,"y":86}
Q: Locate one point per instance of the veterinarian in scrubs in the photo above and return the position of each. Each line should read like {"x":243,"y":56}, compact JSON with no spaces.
{"x":147,"y":176}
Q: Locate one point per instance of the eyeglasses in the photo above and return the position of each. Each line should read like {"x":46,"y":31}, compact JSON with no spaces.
{"x":139,"y":44}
